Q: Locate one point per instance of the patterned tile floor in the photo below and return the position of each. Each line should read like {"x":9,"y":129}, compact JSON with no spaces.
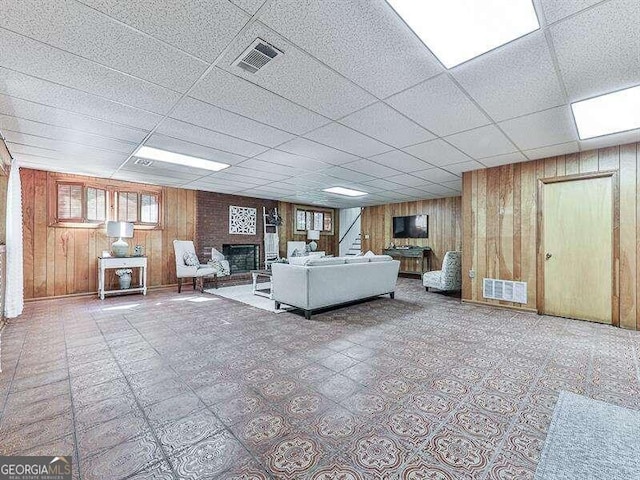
{"x":196,"y":386}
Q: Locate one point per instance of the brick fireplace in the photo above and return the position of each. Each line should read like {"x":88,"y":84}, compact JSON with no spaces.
{"x":242,"y":258}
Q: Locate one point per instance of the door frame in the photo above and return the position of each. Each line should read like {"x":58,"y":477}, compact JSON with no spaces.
{"x":615,"y":254}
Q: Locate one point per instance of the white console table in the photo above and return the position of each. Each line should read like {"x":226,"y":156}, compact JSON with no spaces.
{"x":105,"y":263}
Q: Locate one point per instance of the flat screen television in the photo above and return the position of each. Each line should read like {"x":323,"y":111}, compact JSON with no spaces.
{"x":413,"y":226}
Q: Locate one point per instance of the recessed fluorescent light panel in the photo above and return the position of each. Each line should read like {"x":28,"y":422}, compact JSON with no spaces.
{"x":179,"y":159}
{"x":459,"y":30}
{"x":345,"y":191}
{"x":611,"y":113}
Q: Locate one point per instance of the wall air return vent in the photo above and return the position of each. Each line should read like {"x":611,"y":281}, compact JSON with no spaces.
{"x":504,"y":290}
{"x":257,"y":56}
{"x":143,"y":162}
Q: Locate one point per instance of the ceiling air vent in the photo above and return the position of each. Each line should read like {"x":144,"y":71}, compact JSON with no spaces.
{"x":143,"y":162}
{"x":257,"y":56}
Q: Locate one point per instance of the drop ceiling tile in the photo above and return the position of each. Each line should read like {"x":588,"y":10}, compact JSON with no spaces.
{"x":88,"y":33}
{"x":482,"y":142}
{"x":407,"y":180}
{"x":30,"y":127}
{"x":195,"y":134}
{"x":187,"y":24}
{"x":384,"y":123}
{"x":312,"y":180}
{"x":262,"y":166}
{"x":597,"y":50}
{"x":460,"y":168}
{"x":441,"y":190}
{"x":437,"y":152}
{"x":211,"y":117}
{"x":35,"y":90}
{"x":399,"y":160}
{"x":317,"y":151}
{"x":224,"y":175}
{"x":436,"y":175}
{"x":297,"y":76}
{"x":343,"y":138}
{"x":350,"y":175}
{"x":384,"y":59}
{"x":72,"y":149}
{"x":505,"y":159}
{"x":186,"y":148}
{"x":94,"y":168}
{"x":249,"y":6}
{"x":291,"y":160}
{"x":632,"y":136}
{"x":97,"y":157}
{"x":454,"y":185}
{"x":74,"y":122}
{"x":37,"y":59}
{"x":380,"y":184}
{"x":549,"y":127}
{"x":371,"y":168}
{"x":439,"y":106}
{"x":555,"y":10}
{"x":513,"y":80}
{"x":212,"y":187}
{"x":222,"y":89}
{"x":251,"y":173}
{"x":553,"y":150}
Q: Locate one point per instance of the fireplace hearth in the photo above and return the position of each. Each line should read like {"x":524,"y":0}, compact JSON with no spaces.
{"x":242,"y":258}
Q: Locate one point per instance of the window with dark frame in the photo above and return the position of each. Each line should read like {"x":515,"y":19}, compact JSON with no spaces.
{"x":79,"y":204}
{"x":127,"y":207}
{"x":69,"y":199}
{"x":96,"y":204}
{"x":313,"y":219}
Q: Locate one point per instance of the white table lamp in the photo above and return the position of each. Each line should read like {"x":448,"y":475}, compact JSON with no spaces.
{"x":120,"y":230}
{"x":313,"y":235}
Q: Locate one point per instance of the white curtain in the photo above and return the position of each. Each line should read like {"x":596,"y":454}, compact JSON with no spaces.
{"x":14,"y":298}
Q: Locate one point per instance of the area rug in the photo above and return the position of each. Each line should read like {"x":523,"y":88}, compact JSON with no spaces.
{"x":589,"y":439}
{"x":244,"y":294}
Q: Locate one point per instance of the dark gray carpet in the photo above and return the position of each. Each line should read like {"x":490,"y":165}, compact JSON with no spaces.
{"x":590,"y":440}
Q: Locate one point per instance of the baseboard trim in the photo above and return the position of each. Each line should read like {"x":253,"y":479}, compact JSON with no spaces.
{"x":507,"y":307}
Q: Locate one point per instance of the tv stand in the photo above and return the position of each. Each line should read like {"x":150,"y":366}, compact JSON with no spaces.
{"x":419,"y":253}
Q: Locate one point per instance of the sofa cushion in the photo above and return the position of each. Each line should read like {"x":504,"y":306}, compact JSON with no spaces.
{"x":357,"y":260}
{"x":323,"y":261}
{"x":380,"y":258}
{"x":298,"y":260}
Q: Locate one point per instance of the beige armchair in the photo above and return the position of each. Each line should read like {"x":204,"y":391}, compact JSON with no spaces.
{"x":196,"y":272}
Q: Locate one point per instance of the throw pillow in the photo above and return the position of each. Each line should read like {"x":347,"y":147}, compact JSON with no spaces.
{"x":190,"y":259}
{"x":369,"y":254}
{"x":216,"y":255}
{"x":221,"y":268}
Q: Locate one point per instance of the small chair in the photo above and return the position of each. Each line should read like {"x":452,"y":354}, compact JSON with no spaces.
{"x":447,"y":279}
{"x":196,"y":272}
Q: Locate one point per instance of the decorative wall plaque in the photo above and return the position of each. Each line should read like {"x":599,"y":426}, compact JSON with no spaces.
{"x":242,"y":220}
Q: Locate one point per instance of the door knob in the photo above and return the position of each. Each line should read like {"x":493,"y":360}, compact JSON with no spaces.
{"x":548,"y":256}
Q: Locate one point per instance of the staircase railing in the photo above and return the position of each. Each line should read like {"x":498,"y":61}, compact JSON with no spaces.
{"x":350,"y":226}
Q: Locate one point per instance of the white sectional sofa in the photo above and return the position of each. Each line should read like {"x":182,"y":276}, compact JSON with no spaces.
{"x":331,"y":281}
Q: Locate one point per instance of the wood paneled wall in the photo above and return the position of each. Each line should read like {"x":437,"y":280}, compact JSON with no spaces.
{"x":62,"y":261}
{"x":499,"y":222}
{"x":445,"y":228}
{"x":327,"y":243}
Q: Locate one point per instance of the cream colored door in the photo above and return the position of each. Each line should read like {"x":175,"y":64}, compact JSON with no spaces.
{"x":577,"y":248}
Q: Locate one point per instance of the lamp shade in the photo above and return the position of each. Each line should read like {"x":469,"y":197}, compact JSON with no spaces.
{"x":120,"y":229}
{"x":313,"y":234}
